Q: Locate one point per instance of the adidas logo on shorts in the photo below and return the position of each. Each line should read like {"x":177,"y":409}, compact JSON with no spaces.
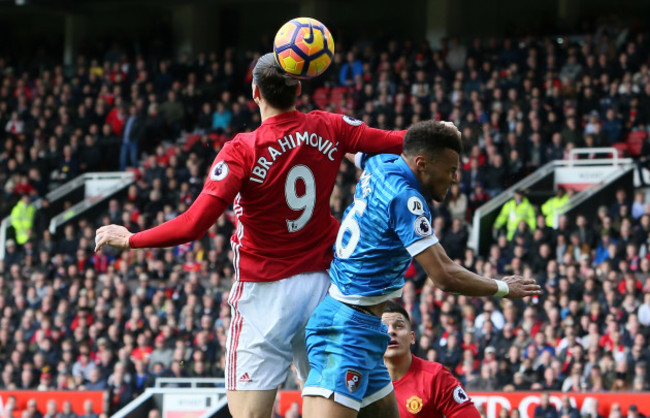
{"x":245,"y":378}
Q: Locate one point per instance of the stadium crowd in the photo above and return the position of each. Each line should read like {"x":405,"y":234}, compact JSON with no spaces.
{"x":72,"y":319}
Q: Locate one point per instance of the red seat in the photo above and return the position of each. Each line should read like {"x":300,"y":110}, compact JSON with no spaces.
{"x":190,"y":140}
{"x":337,"y":94}
{"x":635,"y":142}
{"x":622,"y":148}
{"x":321,"y":97}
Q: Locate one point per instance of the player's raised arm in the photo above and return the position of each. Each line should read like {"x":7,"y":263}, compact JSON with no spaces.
{"x":189,"y":226}
{"x":222,"y":184}
{"x":451,"y":277}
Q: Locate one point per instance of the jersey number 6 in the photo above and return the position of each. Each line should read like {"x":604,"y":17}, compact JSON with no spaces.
{"x":305,"y":202}
{"x":350,"y":224}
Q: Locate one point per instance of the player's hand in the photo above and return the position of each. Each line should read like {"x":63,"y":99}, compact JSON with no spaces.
{"x":113,"y":235}
{"x":520,"y":287}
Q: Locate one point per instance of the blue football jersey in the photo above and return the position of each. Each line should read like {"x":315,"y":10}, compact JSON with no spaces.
{"x":388,"y":224}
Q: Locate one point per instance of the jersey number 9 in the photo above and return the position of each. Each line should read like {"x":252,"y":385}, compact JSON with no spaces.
{"x":304,"y":203}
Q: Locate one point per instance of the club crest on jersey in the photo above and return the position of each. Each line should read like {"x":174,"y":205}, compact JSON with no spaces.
{"x":220,"y":171}
{"x":422,"y":226}
{"x":459,"y":395}
{"x":352,"y":380}
{"x":414,"y":404}
{"x":415,"y":205}
{"x":352,"y":121}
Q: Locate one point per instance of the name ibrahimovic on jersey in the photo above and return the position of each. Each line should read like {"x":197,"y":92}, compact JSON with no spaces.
{"x":289,"y":142}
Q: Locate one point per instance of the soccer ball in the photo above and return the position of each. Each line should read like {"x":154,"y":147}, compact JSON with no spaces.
{"x":303,"y":47}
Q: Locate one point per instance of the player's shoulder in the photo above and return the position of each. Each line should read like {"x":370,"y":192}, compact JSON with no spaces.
{"x":435,"y":372}
{"x":335,"y":118}
{"x":242,"y":143}
{"x":385,"y":163}
{"x":428,"y":367}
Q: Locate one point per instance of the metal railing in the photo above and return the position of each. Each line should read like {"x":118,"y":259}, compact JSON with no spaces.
{"x":547,"y":169}
{"x":212,"y":390}
{"x":123,"y":179}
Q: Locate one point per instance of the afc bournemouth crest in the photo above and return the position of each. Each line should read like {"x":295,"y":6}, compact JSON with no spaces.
{"x":414,"y":404}
{"x":352,"y":380}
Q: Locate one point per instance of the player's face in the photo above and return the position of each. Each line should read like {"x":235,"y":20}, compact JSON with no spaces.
{"x":440,"y":174}
{"x":401,"y":336}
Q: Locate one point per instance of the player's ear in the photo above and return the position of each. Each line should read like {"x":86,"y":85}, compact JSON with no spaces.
{"x":412,"y":342}
{"x":256,"y":92}
{"x":420,"y":162}
{"x":299,"y":89}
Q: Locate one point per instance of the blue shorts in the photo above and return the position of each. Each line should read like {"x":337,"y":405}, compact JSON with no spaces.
{"x":346,"y":349}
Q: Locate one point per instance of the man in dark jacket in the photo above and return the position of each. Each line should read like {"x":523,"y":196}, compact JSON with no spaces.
{"x":134,"y":129}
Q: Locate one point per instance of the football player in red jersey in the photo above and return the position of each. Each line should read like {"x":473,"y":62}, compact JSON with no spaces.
{"x":422,"y":388}
{"x":280,"y":178}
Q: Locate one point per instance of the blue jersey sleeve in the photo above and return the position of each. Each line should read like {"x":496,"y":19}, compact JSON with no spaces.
{"x":411,"y":221}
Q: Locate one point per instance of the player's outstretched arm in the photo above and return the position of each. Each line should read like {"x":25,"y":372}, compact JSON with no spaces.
{"x":451,"y":277}
{"x":189,"y":226}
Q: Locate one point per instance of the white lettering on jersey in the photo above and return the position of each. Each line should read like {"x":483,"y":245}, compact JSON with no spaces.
{"x":287,"y":143}
{"x":422,"y":226}
{"x":415,"y":205}
{"x":365,"y":184}
{"x":459,"y":395}
{"x":220,"y":171}
{"x":352,"y":121}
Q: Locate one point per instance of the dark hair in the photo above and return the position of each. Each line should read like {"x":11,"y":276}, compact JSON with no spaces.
{"x":278,"y":88}
{"x":394,"y":307}
{"x":432,"y":138}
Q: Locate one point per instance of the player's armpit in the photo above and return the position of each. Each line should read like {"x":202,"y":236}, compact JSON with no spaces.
{"x":451,"y":277}
{"x":467,"y":411}
{"x":189,"y":226}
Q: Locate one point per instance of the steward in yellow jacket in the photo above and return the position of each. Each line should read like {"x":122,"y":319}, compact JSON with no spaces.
{"x":553,"y":205}
{"x":22,"y":219}
{"x":514,"y":211}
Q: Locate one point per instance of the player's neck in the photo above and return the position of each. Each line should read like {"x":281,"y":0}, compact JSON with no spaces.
{"x":398,"y":367}
{"x":267,"y":111}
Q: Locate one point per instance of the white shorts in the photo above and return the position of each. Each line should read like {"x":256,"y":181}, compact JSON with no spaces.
{"x":267,"y":329}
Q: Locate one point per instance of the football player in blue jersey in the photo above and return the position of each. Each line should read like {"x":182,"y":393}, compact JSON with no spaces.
{"x":388,"y":224}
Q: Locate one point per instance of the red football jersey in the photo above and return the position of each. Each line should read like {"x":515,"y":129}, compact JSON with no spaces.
{"x":281,"y":177}
{"x":428,"y":389}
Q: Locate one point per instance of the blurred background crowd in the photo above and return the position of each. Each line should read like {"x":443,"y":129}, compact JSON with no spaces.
{"x":73,"y":319}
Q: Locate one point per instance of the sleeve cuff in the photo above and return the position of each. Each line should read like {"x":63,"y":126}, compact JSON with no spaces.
{"x":418,"y":246}
{"x":358,"y":160}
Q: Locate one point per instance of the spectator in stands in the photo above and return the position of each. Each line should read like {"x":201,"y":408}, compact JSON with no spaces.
{"x":22,"y":219}
{"x":545,"y":409}
{"x":221,"y":118}
{"x":51,"y":409}
{"x":513,"y":212}
{"x":172,"y":111}
{"x":95,"y":380}
{"x":553,"y":206}
{"x":350,"y":70}
{"x":66,"y":411}
{"x":88,"y":410}
{"x":134,"y":130}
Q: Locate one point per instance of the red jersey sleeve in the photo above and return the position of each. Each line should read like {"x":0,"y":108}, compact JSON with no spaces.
{"x":228,"y":171}
{"x":359,"y":137}
{"x":450,"y":397}
{"x":189,"y":226}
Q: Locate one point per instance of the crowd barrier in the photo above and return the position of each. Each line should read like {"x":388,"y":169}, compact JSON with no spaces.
{"x":527,"y":401}
{"x":76,"y":397}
